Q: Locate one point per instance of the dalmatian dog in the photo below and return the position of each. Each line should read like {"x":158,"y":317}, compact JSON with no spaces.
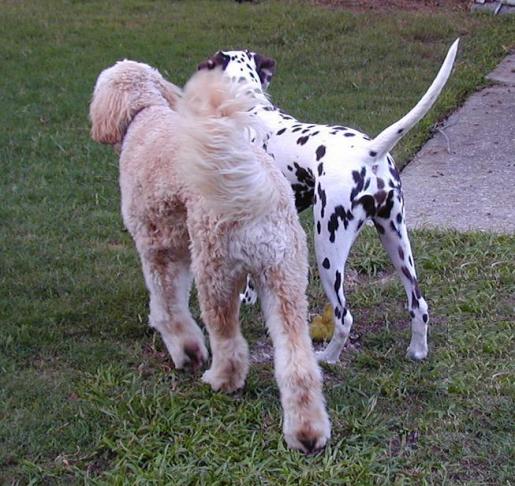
{"x":348,"y":178}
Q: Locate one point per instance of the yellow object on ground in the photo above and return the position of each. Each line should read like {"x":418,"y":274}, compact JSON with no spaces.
{"x":322,"y":326}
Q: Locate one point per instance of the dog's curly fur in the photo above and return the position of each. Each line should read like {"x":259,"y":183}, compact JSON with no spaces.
{"x":201,"y":201}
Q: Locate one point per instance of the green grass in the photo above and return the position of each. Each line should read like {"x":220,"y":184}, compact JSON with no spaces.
{"x":87,"y":394}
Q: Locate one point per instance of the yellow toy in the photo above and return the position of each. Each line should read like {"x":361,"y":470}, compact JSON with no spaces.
{"x":322,"y":326}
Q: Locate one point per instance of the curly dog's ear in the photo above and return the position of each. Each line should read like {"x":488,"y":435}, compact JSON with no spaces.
{"x":110,"y":110}
{"x":122,"y":91}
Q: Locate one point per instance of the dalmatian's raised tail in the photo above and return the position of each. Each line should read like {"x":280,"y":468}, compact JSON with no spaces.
{"x":389,"y":137}
{"x":214,"y":136}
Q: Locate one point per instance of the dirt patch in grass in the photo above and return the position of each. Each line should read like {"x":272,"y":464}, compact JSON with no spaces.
{"x":154,"y":360}
{"x":412,"y":5}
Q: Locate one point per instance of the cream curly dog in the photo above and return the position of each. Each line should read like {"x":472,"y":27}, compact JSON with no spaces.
{"x":201,"y":201}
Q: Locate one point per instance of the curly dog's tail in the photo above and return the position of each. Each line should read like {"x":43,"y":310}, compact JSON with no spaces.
{"x":216,"y":156}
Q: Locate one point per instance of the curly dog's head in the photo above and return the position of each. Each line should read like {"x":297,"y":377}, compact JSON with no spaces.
{"x":123,"y":90}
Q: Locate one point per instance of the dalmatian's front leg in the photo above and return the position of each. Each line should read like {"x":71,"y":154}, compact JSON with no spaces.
{"x":249,"y":296}
{"x":394,"y":237}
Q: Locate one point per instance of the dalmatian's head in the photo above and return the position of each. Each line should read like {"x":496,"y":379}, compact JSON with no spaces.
{"x":247,"y":66}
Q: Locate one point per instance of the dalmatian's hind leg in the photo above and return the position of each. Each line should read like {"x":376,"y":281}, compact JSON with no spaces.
{"x":394,"y":237}
{"x":332,"y":250}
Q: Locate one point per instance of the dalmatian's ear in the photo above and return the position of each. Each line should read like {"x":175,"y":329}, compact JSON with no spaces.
{"x":219,"y":59}
{"x":265,"y":67}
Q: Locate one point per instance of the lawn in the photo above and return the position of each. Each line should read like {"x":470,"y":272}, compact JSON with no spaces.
{"x":87,"y":394}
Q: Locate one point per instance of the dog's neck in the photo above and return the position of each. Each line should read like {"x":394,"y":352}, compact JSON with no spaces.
{"x":133,"y":117}
{"x":272,"y":115}
{"x":261,"y":97}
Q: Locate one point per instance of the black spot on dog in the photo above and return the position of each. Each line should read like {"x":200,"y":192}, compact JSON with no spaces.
{"x":304,"y":189}
{"x":320,"y":152}
{"x":295,"y":130}
{"x":315,"y":133}
{"x":400,"y":130}
{"x":414,"y":301}
{"x":251,"y":285}
{"x":304,"y":176}
{"x":372,"y":153}
{"x":407,"y":273}
{"x":401,"y":253}
{"x":380,"y":196}
{"x":349,"y":134}
{"x":410,"y":260}
{"x":379,"y":228}
{"x":380,"y":183}
{"x":303,"y":196}
{"x":425,"y":318}
{"x":320,"y":168}
{"x":337,"y":285}
{"x":281,"y":131}
{"x":319,"y":227}
{"x":394,"y":173}
{"x":302,"y":140}
{"x":333,"y":224}
{"x":386,"y":209}
{"x":337,"y":313}
{"x":399,"y":218}
{"x":359,"y":179}
{"x":360,"y":224}
{"x":394,"y":228}
{"x":417,"y":291}
{"x":323,"y":199}
{"x":290,"y":167}
{"x":326,"y":263}
{"x":412,"y":314}
{"x":368,"y":204}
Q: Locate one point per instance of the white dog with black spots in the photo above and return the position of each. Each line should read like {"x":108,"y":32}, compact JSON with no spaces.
{"x":349,"y":178}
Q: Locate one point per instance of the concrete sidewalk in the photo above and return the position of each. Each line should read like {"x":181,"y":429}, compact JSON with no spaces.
{"x":465,"y":180}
